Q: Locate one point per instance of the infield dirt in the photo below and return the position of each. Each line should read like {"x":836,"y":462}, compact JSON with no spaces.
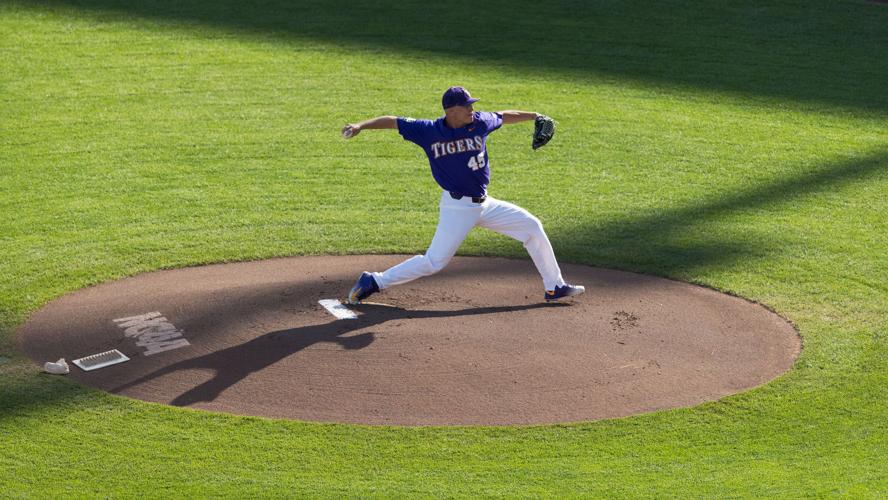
{"x":473,"y":345}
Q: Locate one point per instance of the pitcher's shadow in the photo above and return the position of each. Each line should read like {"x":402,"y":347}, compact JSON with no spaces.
{"x":233,"y":364}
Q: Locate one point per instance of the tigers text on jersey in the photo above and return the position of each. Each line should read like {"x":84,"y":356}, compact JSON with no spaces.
{"x":458,"y":156}
{"x":458,"y":146}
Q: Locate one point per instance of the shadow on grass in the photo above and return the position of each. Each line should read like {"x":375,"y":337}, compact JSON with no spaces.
{"x":24,"y":393}
{"x":820,"y":51}
{"x":657,"y":243}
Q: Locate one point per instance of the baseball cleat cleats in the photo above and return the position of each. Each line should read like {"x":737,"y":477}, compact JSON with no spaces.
{"x":365,"y":287}
{"x":564,"y":291}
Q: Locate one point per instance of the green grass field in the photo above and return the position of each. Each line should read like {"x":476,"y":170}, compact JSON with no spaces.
{"x":740,"y":145}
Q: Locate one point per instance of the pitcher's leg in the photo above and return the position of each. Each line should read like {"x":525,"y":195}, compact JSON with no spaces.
{"x":516,"y":222}
{"x":455,"y":221}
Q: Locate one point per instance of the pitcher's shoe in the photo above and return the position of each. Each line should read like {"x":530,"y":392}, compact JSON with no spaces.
{"x":564,"y":291}
{"x":365,"y":287}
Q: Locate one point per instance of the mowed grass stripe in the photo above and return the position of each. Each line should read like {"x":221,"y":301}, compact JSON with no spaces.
{"x":131,"y":145}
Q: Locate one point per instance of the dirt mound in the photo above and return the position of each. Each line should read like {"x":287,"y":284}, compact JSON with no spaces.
{"x":475,"y":344}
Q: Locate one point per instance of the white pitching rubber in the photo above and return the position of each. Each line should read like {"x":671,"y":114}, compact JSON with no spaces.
{"x":337,"y":309}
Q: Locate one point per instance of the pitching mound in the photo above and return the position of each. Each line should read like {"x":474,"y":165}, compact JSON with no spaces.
{"x":475,"y":344}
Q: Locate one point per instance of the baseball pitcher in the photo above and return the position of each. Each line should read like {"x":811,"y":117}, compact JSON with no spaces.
{"x":456,"y":146}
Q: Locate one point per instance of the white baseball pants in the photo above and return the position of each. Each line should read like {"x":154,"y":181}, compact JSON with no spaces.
{"x":457,"y":218}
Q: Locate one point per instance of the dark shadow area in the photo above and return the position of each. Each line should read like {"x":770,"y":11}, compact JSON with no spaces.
{"x":235,"y":363}
{"x":826,"y":52}
{"x":25,"y":393}
{"x":655,"y":241}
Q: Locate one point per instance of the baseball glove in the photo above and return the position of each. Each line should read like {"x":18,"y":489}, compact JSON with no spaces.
{"x":543,"y":131}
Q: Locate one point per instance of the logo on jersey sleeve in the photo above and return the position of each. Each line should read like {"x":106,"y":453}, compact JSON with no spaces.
{"x":447,"y":148}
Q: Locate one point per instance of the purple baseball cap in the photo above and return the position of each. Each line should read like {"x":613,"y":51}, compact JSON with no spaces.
{"x":457,"y":96}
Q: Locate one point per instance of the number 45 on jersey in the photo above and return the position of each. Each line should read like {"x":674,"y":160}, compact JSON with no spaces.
{"x":477,"y":162}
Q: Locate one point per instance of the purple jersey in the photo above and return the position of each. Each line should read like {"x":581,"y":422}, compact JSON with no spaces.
{"x":458,"y":156}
